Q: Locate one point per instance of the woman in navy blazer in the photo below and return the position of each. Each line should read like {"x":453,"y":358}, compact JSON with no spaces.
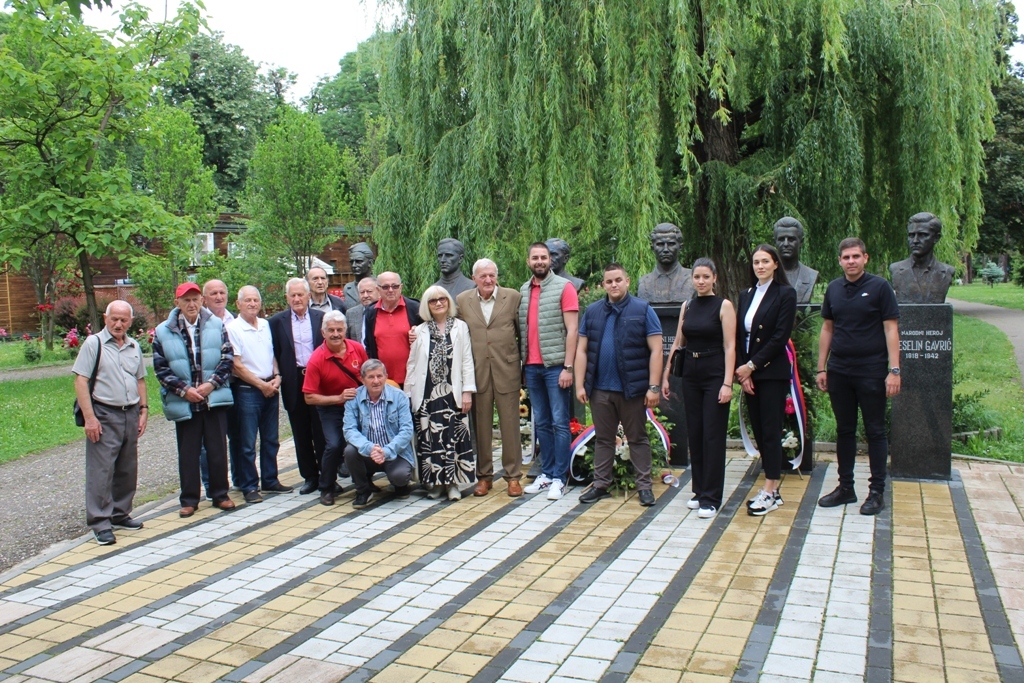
{"x":764,"y":322}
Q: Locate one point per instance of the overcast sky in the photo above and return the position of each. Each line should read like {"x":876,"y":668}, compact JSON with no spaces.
{"x":308,"y":37}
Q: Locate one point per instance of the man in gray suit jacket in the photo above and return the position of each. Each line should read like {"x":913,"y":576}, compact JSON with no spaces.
{"x":492,"y":314}
{"x":369,"y":292}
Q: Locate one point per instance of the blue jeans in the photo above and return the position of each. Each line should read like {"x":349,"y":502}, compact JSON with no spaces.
{"x":254,"y":413}
{"x":550,"y":418}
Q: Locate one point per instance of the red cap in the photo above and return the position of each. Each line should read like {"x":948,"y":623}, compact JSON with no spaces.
{"x":186,"y":287}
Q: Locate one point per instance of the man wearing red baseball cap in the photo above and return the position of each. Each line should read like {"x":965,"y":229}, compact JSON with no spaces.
{"x":192,"y":359}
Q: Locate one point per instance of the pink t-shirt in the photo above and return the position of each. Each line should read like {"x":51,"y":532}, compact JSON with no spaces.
{"x":570,"y":302}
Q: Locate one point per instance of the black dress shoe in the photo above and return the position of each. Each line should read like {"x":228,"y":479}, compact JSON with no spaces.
{"x":252,"y":496}
{"x":327,"y":498}
{"x":338,"y":489}
{"x":278,"y":488}
{"x":594,"y":494}
{"x":873,"y":504}
{"x":127,"y":523}
{"x":362,"y":500}
{"x":647,"y":498}
{"x":841,"y":496}
{"x":401,"y":492}
{"x":105,"y":537}
{"x":309,"y":487}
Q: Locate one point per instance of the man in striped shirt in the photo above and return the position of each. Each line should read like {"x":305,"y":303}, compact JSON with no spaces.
{"x":379,"y":434}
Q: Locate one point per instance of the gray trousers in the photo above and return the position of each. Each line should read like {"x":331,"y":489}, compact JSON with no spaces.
{"x":398,"y":470}
{"x":111,"y":467}
{"x":609,"y":408}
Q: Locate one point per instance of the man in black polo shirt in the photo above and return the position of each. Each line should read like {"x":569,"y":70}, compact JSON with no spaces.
{"x":860,"y":340}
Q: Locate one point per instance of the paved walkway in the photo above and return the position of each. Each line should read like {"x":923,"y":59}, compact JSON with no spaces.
{"x":501,"y":589}
{"x":1009,"y":320}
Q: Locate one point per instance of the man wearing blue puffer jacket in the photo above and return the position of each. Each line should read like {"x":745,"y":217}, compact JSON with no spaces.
{"x":192,"y":359}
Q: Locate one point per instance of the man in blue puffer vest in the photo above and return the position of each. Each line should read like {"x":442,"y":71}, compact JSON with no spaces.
{"x":618,"y":370}
{"x":192,"y":359}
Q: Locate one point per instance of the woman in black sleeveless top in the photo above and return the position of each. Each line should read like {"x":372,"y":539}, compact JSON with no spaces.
{"x":706,"y":338}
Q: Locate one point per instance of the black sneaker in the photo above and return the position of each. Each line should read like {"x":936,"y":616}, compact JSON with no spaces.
{"x":873,"y":504}
{"x":647,"y":498}
{"x":278,"y":488}
{"x":841,"y":496}
{"x":594,"y":494}
{"x":105,"y":537}
{"x":401,"y":492}
{"x":362,"y":500}
{"x":252,"y":496}
{"x":128,"y":523}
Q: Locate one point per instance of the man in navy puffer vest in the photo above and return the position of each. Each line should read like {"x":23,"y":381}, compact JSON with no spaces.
{"x":618,"y":370}
{"x":192,"y":358}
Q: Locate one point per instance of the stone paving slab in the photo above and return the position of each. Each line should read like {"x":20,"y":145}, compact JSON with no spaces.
{"x":521,"y":590}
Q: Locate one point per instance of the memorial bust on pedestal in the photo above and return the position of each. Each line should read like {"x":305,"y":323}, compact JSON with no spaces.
{"x":669,"y":282}
{"x":360,"y":259}
{"x":559,"y":249}
{"x":922,"y":279}
{"x":789,"y":240}
{"x":450,"y":253}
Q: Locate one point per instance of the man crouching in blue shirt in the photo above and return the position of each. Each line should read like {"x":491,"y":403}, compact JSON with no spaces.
{"x":378,"y":431}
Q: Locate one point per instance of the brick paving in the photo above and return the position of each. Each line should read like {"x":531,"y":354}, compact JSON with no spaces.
{"x":499,"y":589}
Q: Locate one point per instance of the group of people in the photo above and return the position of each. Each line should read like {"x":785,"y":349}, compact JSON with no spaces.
{"x":375,"y":381}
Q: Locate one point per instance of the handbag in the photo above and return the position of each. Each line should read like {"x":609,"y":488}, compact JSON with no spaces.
{"x":77,"y":409}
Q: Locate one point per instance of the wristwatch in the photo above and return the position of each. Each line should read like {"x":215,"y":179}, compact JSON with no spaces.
{"x":750,"y":364}
{"x":567,"y":368}
{"x":894,"y":371}
{"x":654,"y":389}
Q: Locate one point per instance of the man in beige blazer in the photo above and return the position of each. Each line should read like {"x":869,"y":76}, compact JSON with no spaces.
{"x":492,"y":314}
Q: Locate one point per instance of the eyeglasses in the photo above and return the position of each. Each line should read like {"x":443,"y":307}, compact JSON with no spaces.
{"x":435,"y":302}
{"x":388,"y":288}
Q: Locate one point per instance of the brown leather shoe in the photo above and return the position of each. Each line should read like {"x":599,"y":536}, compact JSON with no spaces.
{"x":482,"y":487}
{"x":515,"y":489}
{"x":225,"y":505}
{"x":186,"y":511}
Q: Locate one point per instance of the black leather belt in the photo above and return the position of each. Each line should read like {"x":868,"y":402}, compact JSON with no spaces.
{"x":243,"y":384}
{"x":123,"y":409}
{"x":704,"y":354}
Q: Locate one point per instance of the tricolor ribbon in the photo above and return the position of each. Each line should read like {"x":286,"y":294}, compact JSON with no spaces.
{"x":796,"y":392}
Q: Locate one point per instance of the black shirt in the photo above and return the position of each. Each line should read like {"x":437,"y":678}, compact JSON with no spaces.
{"x":857,"y":310}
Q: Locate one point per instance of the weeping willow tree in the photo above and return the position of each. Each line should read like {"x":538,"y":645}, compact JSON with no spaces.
{"x":594,"y":120}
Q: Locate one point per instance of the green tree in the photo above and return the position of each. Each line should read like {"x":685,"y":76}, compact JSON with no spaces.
{"x":593,"y":121}
{"x":295,"y":193}
{"x":65,"y":90}
{"x":231,"y":105}
{"x":1002,"y":229}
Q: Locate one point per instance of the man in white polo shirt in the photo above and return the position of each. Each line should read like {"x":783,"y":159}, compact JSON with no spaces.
{"x":255,"y":390}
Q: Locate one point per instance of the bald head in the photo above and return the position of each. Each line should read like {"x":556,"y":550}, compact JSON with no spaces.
{"x":215,"y":297}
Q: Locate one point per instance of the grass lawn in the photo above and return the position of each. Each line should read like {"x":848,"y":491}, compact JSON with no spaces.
{"x":990,"y":365}
{"x":12,"y":356}
{"x":36,"y":414}
{"x":1005,"y":294}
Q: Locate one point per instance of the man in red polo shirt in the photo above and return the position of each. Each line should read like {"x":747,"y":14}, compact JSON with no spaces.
{"x":387,"y":326}
{"x":332,"y":377}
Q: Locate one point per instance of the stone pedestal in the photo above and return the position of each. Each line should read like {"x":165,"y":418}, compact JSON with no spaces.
{"x":672,"y":409}
{"x":922,"y":413}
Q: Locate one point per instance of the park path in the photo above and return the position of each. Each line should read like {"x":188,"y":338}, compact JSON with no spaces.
{"x":47,"y":371}
{"x":1009,"y":320}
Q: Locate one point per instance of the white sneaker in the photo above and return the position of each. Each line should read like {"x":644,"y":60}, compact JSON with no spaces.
{"x":707,"y":513}
{"x":434,"y":493}
{"x":693,"y":503}
{"x":555,"y":489}
{"x":763,"y":503}
{"x":454,"y":493}
{"x":539,"y":484}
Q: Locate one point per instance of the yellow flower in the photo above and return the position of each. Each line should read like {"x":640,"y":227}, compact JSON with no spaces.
{"x":524,"y":411}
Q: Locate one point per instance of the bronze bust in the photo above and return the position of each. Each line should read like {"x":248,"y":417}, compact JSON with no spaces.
{"x":559,"y":249}
{"x":669,"y":282}
{"x":922,"y":279}
{"x":360,"y":259}
{"x":789,"y":240}
{"x":450,"y":253}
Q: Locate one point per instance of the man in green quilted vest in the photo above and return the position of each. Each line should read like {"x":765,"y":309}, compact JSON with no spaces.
{"x":548,"y":318}
{"x":192,"y":359}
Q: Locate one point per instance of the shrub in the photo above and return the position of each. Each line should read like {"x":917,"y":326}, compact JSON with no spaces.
{"x":32,"y":352}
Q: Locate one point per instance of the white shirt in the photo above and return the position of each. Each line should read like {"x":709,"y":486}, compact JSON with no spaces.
{"x":486,"y":306}
{"x":302,"y":335}
{"x":253,"y":346}
{"x":748,"y":320}
{"x":191,"y":329}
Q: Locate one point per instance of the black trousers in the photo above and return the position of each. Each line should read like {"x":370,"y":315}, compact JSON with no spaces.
{"x":332,"y":421}
{"x":398,"y":470}
{"x":767,"y":410}
{"x":207,"y":428}
{"x":706,"y":423}
{"x":847,"y":393}
{"x":309,"y":439}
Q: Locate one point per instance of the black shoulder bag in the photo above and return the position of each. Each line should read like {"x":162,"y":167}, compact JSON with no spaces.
{"x":346,"y":371}
{"x":77,"y":410}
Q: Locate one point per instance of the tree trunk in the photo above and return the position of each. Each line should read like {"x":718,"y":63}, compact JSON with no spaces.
{"x":90,"y":290}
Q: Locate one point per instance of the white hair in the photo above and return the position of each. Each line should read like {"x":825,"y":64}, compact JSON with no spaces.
{"x":333,"y":316}
{"x":483,"y":263}
{"x":297,"y":281}
{"x":241,"y":292}
{"x":119,"y":301}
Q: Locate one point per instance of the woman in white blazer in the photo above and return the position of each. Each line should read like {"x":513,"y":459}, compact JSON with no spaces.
{"x":440,"y":382}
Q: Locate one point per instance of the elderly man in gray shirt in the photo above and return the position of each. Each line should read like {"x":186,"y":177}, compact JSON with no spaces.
{"x":115,"y":410}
